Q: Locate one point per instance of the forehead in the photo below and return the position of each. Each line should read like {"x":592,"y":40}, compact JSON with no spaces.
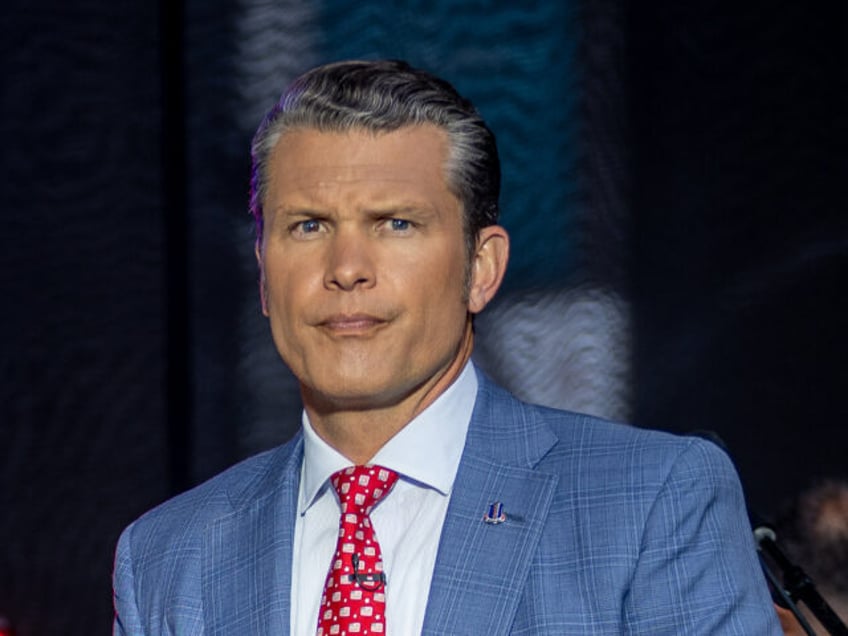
{"x":412,"y":158}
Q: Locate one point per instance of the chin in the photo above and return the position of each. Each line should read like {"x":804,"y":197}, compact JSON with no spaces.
{"x":355,"y":390}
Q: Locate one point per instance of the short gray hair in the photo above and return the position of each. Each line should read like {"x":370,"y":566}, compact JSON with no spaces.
{"x":382,"y":96}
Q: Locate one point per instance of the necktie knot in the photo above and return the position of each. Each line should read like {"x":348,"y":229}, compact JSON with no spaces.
{"x":361,"y":487}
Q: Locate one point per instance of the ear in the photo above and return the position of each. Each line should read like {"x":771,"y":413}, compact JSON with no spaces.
{"x":263,"y":287}
{"x":488,"y":266}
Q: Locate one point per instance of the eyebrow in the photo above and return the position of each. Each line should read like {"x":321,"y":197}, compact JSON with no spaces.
{"x":288,"y":210}
{"x":390,"y":209}
{"x":411,"y":208}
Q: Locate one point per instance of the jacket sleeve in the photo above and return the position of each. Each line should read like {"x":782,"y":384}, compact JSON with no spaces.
{"x":127,"y":620}
{"x":698,"y":571}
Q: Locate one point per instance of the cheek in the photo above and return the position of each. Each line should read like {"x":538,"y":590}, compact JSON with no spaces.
{"x":443,"y":302}
{"x":279,"y":296}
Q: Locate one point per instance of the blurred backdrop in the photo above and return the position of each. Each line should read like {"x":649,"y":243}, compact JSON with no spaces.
{"x":675,"y":187}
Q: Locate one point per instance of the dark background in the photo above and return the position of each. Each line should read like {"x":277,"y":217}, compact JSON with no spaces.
{"x":687,"y":159}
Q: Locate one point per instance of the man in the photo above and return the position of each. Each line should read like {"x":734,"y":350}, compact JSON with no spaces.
{"x":375,"y":191}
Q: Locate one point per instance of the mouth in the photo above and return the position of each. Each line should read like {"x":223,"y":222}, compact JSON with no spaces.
{"x":351,"y":324}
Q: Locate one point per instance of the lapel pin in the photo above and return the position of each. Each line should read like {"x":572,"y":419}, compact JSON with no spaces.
{"x":495,"y":514}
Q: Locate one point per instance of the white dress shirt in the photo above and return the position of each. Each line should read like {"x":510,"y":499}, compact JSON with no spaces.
{"x":407,"y":522}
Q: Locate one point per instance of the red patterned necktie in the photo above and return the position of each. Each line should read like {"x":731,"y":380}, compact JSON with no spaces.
{"x":354,"y":599}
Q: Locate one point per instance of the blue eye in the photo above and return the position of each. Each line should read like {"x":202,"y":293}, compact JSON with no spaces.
{"x":309,"y":226}
{"x":400,"y":225}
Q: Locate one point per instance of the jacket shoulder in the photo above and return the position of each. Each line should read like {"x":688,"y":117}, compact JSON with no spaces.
{"x":186,"y":514}
{"x":593,"y":445}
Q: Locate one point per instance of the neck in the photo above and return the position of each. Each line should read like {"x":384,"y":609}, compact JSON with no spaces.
{"x":359,"y":432}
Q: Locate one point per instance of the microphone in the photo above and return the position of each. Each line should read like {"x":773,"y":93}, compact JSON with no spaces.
{"x":371,"y":582}
{"x":795,"y":585}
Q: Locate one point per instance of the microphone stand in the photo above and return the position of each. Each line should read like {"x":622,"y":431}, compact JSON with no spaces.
{"x":795,"y":585}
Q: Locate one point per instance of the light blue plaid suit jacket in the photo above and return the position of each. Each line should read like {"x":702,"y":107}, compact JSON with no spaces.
{"x":610,"y":530}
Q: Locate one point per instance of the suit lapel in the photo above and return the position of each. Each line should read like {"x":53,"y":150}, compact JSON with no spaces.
{"x":481,"y":568}
{"x":247,"y":554}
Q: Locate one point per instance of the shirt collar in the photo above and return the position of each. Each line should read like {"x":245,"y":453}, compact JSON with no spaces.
{"x":426,"y":451}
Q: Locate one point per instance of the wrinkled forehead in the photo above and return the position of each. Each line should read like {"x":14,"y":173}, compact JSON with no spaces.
{"x":400,"y":169}
{"x":410,"y":153}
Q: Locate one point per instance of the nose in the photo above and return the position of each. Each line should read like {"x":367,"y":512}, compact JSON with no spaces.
{"x":350,"y":262}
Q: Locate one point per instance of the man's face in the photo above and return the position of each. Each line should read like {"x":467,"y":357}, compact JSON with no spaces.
{"x":363,"y":261}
